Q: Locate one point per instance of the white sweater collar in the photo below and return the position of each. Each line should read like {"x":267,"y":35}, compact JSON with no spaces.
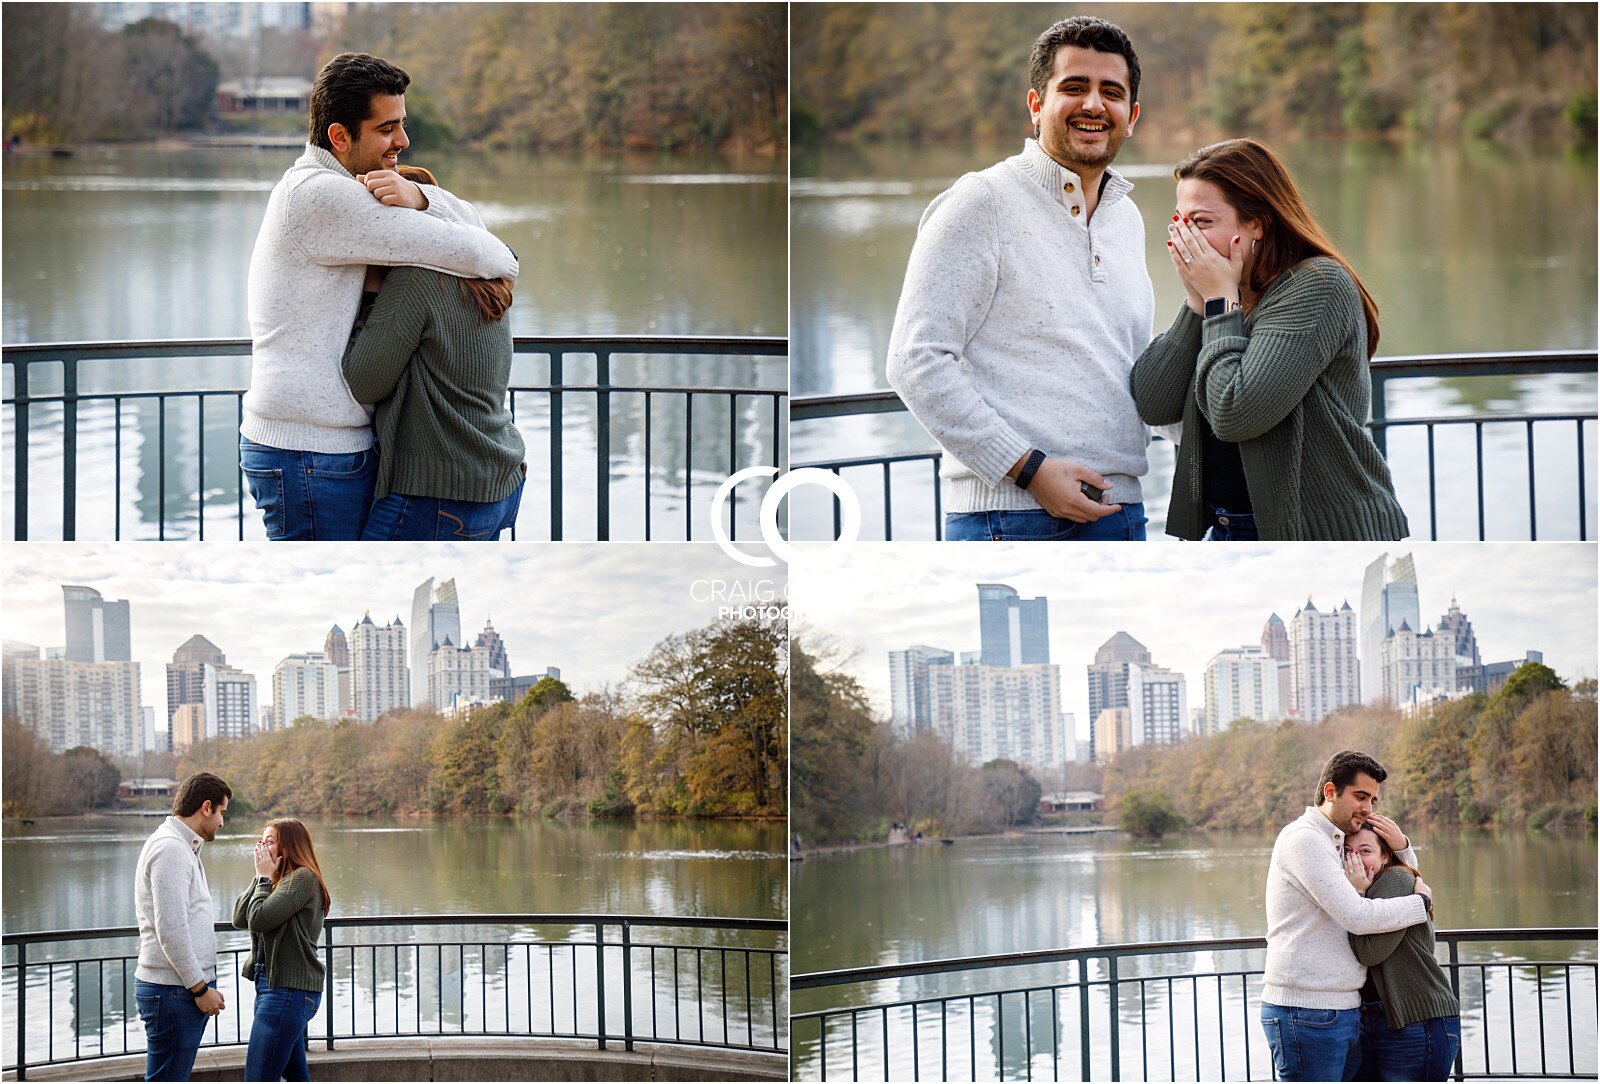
{"x":1052,"y":176}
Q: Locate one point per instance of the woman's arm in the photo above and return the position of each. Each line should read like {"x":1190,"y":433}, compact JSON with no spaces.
{"x":1164,"y":373}
{"x":267,"y":909}
{"x":1374,"y":948}
{"x":241,"y":908}
{"x":1249,"y":383}
{"x":375,"y":358}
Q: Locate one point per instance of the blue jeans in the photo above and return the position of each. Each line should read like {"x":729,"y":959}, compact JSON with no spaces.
{"x":1037,"y":525}
{"x":1425,"y":1050}
{"x":278,"y":1032}
{"x":173,"y":1028}
{"x":1229,"y":526}
{"x":399,"y":518}
{"x":1313,"y":1044}
{"x":310,"y":496}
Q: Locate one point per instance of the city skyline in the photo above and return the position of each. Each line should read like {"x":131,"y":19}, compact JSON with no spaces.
{"x":872,"y":599}
{"x":592,"y":615}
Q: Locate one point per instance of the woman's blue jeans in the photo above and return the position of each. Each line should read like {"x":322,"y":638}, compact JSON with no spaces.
{"x":278,"y":1032}
{"x":1425,"y":1050}
{"x":396,"y":517}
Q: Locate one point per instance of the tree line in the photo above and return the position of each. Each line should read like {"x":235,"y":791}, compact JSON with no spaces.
{"x":923,"y":72}
{"x":635,"y":76}
{"x":855,"y":775}
{"x":39,"y":783}
{"x":1524,"y":756}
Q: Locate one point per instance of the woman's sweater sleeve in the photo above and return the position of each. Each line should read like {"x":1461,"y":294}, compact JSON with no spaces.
{"x":375,"y":358}
{"x":1164,"y":372}
{"x":241,"y":907}
{"x":1374,"y":948}
{"x":267,"y":909}
{"x":1249,"y":383}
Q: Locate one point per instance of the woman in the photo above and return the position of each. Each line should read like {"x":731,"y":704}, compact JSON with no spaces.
{"x":283,"y":910}
{"x":1265,"y":365}
{"x":434,"y":353}
{"x":1410,"y":1021}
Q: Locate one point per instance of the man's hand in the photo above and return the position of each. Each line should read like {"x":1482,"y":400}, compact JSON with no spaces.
{"x":1422,"y":888}
{"x":393,"y":190}
{"x":1056,"y":488}
{"x":1389,"y":830}
{"x":1355,"y":871}
{"x":210,"y":1002}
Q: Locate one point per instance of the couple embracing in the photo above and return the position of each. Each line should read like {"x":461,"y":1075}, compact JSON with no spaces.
{"x":1352,"y":989}
{"x":283,"y":907}
{"x":1023,"y":343}
{"x":381,"y":353}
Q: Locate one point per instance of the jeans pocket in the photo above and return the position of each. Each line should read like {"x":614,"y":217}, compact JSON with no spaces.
{"x":1317,"y":1018}
{"x":1284,"y":1060}
{"x":465,"y":522}
{"x":149,"y":1006}
{"x":341,"y":464}
{"x":266,"y":488}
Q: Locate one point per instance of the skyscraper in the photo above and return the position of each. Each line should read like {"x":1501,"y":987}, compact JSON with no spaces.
{"x":97,"y":630}
{"x":1325,"y":670}
{"x":499,"y":661}
{"x":304,"y":685}
{"x":1158,"y":705}
{"x":70,"y":703}
{"x":911,"y":708}
{"x":1108,"y":678}
{"x":1242,"y":683}
{"x":458,"y":676}
{"x":1456,"y":625}
{"x":1417,"y":662}
{"x":435,"y":617}
{"x":1388,"y":597}
{"x":1012,"y":631}
{"x":231,"y":707}
{"x":186,"y":678}
{"x":999,"y":712}
{"x":16,"y":652}
{"x":336,"y":649}
{"x":379,"y":682}
{"x":1275,"y":642}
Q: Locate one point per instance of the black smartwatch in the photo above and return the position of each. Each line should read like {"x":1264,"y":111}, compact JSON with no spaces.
{"x":1217,"y":306}
{"x":205,"y":988}
{"x":1035,"y":460}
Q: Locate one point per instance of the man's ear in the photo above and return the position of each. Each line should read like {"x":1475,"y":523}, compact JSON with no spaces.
{"x":339,"y":136}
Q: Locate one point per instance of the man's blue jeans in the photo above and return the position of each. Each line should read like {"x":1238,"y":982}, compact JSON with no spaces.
{"x":399,"y":518}
{"x":1425,"y":1050}
{"x":1037,"y":525}
{"x":173,"y":1028}
{"x":1313,"y":1044}
{"x":310,"y":496}
{"x":278,"y":1032}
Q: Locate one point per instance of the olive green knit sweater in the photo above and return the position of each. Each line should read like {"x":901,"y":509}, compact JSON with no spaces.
{"x":1290,"y":385}
{"x":1401,"y":967}
{"x":438,"y":374}
{"x":284,"y":925}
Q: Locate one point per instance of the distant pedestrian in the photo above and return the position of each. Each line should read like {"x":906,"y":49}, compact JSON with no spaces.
{"x":283,"y":908}
{"x":175,"y":982}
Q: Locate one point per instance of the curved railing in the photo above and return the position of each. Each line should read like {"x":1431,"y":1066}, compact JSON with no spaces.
{"x":612,"y":980}
{"x":1048,"y":1014}
{"x":50,"y":389}
{"x":1384,"y":371}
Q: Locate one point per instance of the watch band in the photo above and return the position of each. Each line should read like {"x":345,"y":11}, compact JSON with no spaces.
{"x":1036,"y":459}
{"x":1218,"y":306}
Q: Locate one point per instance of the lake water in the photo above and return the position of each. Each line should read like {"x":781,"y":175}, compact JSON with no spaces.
{"x":78,"y":874}
{"x":985,"y":896}
{"x":1466,"y":249}
{"x":138,"y":244}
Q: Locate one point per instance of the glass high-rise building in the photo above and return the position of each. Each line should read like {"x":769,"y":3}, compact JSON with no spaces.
{"x":186,"y":673}
{"x":1388,"y":600}
{"x":910,"y":704}
{"x":435,"y":618}
{"x":97,"y":630}
{"x":1108,"y":678}
{"x":1012,"y":631}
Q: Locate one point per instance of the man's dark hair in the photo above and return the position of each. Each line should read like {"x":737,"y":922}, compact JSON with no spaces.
{"x":344,"y":89}
{"x":196,"y":791}
{"x":1086,"y":32}
{"x":1342,"y":769}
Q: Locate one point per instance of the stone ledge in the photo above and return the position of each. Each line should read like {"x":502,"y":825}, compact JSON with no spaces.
{"x":446,"y":1059}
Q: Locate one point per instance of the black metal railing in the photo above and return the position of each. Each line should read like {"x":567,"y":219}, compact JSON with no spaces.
{"x":46,"y":377}
{"x":1384,"y":371}
{"x":1138,"y":1011}
{"x":611,"y":980}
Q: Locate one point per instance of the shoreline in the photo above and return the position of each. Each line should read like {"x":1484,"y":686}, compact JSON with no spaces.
{"x":1014,"y":833}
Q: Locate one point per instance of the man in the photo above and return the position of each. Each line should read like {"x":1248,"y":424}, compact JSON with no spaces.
{"x":175,"y":982}
{"x":1311,"y":991}
{"x":305,"y":443}
{"x":1025,"y":303}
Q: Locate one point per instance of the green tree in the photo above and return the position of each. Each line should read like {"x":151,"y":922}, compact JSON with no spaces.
{"x":1014,"y":793}
{"x":89,"y":778}
{"x":176,"y":79}
{"x":1147,"y":815}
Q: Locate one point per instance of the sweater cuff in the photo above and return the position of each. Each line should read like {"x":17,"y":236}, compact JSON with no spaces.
{"x":1228,"y":325}
{"x":995,"y":458}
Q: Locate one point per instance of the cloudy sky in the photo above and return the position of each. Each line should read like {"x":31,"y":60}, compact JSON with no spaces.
{"x":591,"y":610}
{"x":1184,"y":603}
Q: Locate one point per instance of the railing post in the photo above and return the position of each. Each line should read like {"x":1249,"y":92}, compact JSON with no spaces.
{"x":19,"y":464}
{"x":1455,"y":990}
{"x":1083,"y":1014}
{"x":69,"y":449}
{"x":555,"y":445}
{"x":327,"y":982}
{"x":600,"y":979}
{"x":22,"y":1010}
{"x":1116,"y":1045}
{"x":1380,"y":413}
{"x":627,"y":986}
{"x":602,"y":445}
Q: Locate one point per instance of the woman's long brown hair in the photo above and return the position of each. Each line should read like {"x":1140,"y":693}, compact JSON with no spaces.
{"x":295,"y":852}
{"x":1256,"y":183}
{"x":492,"y":296}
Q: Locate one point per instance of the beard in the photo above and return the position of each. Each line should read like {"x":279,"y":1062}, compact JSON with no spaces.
{"x":1058,"y":142}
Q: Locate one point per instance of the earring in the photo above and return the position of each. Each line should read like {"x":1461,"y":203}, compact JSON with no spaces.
{"x":1252,"y":246}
